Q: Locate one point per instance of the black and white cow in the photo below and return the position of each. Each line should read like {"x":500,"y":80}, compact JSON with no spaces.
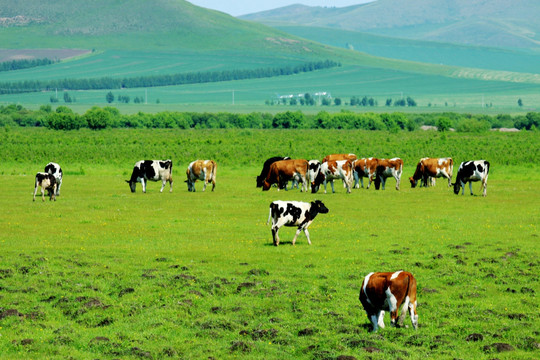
{"x":470,"y":171}
{"x":45,"y":181}
{"x":266,"y":168}
{"x":294,"y":213}
{"x":153,"y":170}
{"x":55,"y":170}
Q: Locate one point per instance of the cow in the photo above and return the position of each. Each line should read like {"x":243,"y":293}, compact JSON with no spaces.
{"x":365,"y":167}
{"x":294,"y":213}
{"x":266,"y":168}
{"x":313,"y":170}
{"x":330,"y":170}
{"x":55,"y":170}
{"x":428,"y":169}
{"x":204,"y":170}
{"x":153,"y":170}
{"x":469,"y":171}
{"x":386,"y":291}
{"x":47,"y":182}
{"x":385,"y":169}
{"x":284,"y":170}
{"x":350,"y":157}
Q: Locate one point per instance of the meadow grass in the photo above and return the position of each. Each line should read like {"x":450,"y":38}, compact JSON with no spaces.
{"x":104,"y":273}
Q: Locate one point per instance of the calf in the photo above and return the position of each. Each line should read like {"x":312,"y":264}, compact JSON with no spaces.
{"x":153,"y":170}
{"x":47,"y":182}
{"x":294,"y":213}
{"x":382,"y":292}
{"x":330,"y":170}
{"x":55,"y":170}
{"x":387,"y":168}
{"x":204,"y":170}
{"x":428,"y":169}
{"x":266,"y":168}
{"x":282,"y":171}
{"x":365,"y":167}
{"x":469,"y":171}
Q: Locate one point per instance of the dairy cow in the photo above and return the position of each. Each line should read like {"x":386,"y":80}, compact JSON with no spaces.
{"x":388,"y":168}
{"x":469,"y":171}
{"x":204,"y":170}
{"x":365,"y":167}
{"x":350,"y":157}
{"x":266,"y":168}
{"x":45,"y":181}
{"x":428,"y":169}
{"x":331,"y":170}
{"x":55,"y":170}
{"x":153,"y":170}
{"x":294,"y":213}
{"x":387,"y":291}
{"x":282,"y":171}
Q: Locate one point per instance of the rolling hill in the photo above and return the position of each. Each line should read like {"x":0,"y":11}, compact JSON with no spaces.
{"x":497,"y":23}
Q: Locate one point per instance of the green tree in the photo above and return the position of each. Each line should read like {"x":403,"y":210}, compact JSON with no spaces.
{"x":97,"y":118}
{"x":337,"y":101}
{"x":109,"y":97}
{"x":443,"y":123}
{"x":520,"y":102}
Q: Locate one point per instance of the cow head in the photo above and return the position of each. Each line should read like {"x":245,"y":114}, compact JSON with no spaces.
{"x":260,"y":181}
{"x":317,"y":206}
{"x":413,"y":182}
{"x":316,"y":183}
{"x":266,"y":185}
{"x":457,"y":187}
{"x":132,"y":185}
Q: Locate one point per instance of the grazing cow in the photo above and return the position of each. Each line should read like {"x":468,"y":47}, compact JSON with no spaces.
{"x":266,"y":168}
{"x":313,"y":170}
{"x":428,"y":169}
{"x":204,"y":170}
{"x":350,"y":157}
{"x":47,"y":182}
{"x":365,"y":167}
{"x":153,"y":170}
{"x":294,"y":213}
{"x":382,"y":292}
{"x":469,"y":171}
{"x":55,"y":170}
{"x":330,"y":170}
{"x":282,"y":171}
{"x":387,"y":168}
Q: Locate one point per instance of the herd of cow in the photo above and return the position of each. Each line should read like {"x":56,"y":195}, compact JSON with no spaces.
{"x":379,"y":291}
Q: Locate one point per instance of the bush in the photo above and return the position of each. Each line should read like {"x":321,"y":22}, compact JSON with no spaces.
{"x":97,"y":118}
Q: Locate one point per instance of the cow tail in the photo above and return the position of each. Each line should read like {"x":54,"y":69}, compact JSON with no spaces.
{"x":411,"y":284}
{"x":269,"y":214}
{"x":214,"y":168}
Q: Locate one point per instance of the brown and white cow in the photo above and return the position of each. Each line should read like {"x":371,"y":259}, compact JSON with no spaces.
{"x":45,"y":181}
{"x":428,"y":169}
{"x":387,"y":168}
{"x":387,"y":291}
{"x":282,"y":171}
{"x":331,"y":170}
{"x":335,"y":157}
{"x":204,"y":170}
{"x":365,"y":167}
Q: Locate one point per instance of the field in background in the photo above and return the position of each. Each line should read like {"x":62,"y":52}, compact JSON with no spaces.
{"x":103,"y":272}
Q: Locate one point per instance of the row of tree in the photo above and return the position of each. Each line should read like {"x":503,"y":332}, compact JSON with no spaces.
{"x":160,"y":80}
{"x":63,"y":118}
{"x":24,"y":64}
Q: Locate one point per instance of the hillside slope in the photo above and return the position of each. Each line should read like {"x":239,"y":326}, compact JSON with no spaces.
{"x":498,"y":23}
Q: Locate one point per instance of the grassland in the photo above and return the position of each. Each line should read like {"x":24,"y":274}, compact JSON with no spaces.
{"x":103,"y":273}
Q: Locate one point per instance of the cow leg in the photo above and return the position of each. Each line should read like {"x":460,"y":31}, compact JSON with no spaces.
{"x":163,"y":182}
{"x":383,"y":182}
{"x":170,"y":183}
{"x":143,"y":184}
{"x":332,"y":186}
{"x":356,"y":179}
{"x":470,"y":186}
{"x":380,"y":320}
{"x":275,"y":236}
{"x":35,"y":191}
{"x":213,"y":184}
{"x":58,"y":188}
{"x":404,"y":309}
{"x":374,"y":318}
{"x":484,"y":185}
{"x":304,"y":184}
{"x":414,"y":315}
{"x":398,"y":180}
{"x":307,"y":235}
{"x":42,"y":193}
{"x":52,"y":193}
{"x":296,"y":235}
{"x":325,"y":183}
{"x":362,"y":181}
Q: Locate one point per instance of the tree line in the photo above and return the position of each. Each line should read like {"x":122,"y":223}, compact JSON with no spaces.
{"x":161,"y":80}
{"x":25,"y":64}
{"x":63,"y":118}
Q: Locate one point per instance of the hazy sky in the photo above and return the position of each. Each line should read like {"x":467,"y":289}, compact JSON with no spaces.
{"x":243,"y":7}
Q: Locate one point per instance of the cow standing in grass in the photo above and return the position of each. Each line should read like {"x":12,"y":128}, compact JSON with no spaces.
{"x":388,"y":168}
{"x":266,"y":168}
{"x":294,"y":213}
{"x":153,"y":170}
{"x":365,"y":167}
{"x":428,"y":169}
{"x":470,"y":171}
{"x":55,"y":170}
{"x":47,"y":182}
{"x":331,"y":170}
{"x":282,"y":171}
{"x":387,"y":291}
{"x":204,"y":170}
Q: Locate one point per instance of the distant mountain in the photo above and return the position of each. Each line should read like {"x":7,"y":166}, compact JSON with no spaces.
{"x":169,"y":25}
{"x":497,"y":23}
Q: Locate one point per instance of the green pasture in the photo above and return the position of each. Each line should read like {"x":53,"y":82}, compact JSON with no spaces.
{"x":104,"y":273}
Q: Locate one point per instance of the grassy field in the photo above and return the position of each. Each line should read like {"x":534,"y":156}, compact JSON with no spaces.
{"x":104,"y":273}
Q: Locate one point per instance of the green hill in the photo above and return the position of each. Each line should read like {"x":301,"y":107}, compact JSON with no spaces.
{"x":498,"y":23}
